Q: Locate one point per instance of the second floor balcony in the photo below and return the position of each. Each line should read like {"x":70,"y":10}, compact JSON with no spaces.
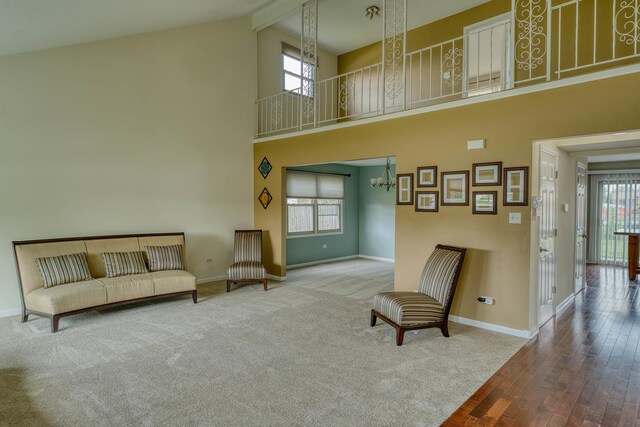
{"x":428,"y":53}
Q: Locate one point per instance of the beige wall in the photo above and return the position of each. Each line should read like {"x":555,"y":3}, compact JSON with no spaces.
{"x":498,"y":261}
{"x":148,"y":133}
{"x":270,"y":61}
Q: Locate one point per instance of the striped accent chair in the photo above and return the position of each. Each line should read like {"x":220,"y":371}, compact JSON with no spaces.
{"x":247,"y":266}
{"x":429,"y":306}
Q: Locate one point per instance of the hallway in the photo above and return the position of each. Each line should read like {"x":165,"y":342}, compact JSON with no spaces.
{"x":582,"y":369}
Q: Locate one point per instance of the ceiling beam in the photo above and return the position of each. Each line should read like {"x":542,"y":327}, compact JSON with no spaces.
{"x":273,"y":12}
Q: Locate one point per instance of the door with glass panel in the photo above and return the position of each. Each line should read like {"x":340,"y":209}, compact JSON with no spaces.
{"x":547,"y":235}
{"x":616,"y":206}
{"x":581,"y":227}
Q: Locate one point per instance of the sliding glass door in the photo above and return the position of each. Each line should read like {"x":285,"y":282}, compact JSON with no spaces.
{"x":614,"y":205}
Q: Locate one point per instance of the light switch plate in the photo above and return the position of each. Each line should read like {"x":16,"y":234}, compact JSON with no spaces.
{"x":515,"y":218}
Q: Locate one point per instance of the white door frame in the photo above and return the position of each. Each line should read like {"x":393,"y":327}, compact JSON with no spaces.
{"x":581,"y":286}
{"x":609,"y":140}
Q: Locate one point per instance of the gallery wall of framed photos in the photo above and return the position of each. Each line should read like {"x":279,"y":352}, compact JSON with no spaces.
{"x":464,"y":188}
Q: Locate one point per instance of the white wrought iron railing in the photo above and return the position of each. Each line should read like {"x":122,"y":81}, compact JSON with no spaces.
{"x":540,"y":40}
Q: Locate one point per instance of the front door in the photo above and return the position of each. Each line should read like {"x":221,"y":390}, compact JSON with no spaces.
{"x":547,"y":219}
{"x":581,"y":227}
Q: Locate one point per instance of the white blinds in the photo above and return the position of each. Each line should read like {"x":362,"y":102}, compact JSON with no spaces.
{"x":306,"y":185}
{"x":614,"y":201}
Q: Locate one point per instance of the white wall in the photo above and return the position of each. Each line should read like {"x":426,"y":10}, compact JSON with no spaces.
{"x":270,"y":61}
{"x":147,"y":133}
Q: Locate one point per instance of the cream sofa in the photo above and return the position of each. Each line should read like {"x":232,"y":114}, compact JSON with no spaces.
{"x":73,"y":298}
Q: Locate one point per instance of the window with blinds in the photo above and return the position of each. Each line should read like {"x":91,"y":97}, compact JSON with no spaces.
{"x":314,"y":203}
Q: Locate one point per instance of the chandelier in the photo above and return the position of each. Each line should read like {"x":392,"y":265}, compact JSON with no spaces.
{"x":387,"y":180}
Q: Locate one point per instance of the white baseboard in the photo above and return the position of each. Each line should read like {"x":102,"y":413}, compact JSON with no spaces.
{"x":565,"y":304}
{"x":10,"y":312}
{"x":277,"y":278}
{"x":210,"y":279}
{"x":376,"y":258}
{"x":322,"y":261}
{"x":343,"y":258}
{"x":491,"y":327}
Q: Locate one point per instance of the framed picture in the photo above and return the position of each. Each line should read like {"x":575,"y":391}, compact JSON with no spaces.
{"x":486,"y":174}
{"x":455,"y":188}
{"x":427,"y":201}
{"x":427,"y":176}
{"x":516,"y":186}
{"x":485,"y":202}
{"x":404,"y":189}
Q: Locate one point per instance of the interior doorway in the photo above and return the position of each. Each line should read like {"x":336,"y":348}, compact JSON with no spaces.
{"x":340,"y":211}
{"x":597,"y":192}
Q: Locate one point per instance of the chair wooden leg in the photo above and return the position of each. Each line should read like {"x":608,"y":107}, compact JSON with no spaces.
{"x":373,"y":318}
{"x":399,"y":336}
{"x":55,"y":321}
{"x":264,"y":284}
{"x":445,"y":329}
{"x":194,"y":296}
{"x":228,"y":285}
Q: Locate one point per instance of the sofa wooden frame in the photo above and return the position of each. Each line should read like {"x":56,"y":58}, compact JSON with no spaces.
{"x":55,"y":318}
{"x":443,"y":324}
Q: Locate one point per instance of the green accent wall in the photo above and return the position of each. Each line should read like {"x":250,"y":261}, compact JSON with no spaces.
{"x":301,"y":250}
{"x":376,"y":215}
{"x":369,"y":220}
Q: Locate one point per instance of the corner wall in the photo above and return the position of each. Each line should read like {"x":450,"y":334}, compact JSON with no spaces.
{"x":301,"y":250}
{"x":148,"y":133}
{"x":377,"y":215}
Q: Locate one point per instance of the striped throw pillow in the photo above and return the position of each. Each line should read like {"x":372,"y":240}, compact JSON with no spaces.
{"x":124,"y":263}
{"x":59,"y":270}
{"x":165,"y":257}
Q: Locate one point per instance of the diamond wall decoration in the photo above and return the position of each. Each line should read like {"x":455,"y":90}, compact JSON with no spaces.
{"x":265,"y":198}
{"x":264,"y":168}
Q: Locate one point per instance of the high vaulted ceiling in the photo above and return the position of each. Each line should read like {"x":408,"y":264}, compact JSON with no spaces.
{"x":343,"y":26}
{"x":28,"y":25}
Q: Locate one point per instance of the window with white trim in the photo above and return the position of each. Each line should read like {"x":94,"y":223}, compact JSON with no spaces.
{"x":291,"y":71}
{"x":314,"y":204}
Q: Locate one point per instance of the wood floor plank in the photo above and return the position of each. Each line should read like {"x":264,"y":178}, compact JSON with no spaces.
{"x":583,"y":368}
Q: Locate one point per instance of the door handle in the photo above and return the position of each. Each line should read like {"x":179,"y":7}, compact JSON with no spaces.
{"x":584,"y":236}
{"x":543,"y":250}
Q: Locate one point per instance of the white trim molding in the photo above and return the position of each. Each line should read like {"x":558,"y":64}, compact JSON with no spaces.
{"x":277,"y":278}
{"x":493,"y":327}
{"x":210,"y":279}
{"x":321,"y":261}
{"x":10,"y":312}
{"x":564,"y":305}
{"x":376,"y":258}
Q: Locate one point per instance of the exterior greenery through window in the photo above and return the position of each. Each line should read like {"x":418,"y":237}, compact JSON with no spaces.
{"x":313,"y":216}
{"x":291,"y":69}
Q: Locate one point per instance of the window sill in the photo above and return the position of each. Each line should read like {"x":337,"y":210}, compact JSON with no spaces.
{"x":299,"y":236}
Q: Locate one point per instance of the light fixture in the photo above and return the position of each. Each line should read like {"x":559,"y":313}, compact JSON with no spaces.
{"x":372,"y":11}
{"x":387,"y":180}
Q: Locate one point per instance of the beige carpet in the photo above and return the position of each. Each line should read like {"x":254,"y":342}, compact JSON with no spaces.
{"x":300,"y":354}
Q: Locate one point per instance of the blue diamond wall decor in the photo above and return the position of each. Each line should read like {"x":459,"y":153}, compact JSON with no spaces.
{"x":265,"y":198}
{"x":264,"y":168}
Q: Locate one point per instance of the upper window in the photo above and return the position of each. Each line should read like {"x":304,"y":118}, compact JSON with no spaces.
{"x":292,"y":71}
{"x":314,"y":203}
{"x":488,"y":56}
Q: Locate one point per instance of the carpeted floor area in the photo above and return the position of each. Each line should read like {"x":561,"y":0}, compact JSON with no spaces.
{"x":300,"y":354}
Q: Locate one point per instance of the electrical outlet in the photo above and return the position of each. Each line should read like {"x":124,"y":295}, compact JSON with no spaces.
{"x":487,"y":300}
{"x":324,"y":246}
{"x":208,"y":260}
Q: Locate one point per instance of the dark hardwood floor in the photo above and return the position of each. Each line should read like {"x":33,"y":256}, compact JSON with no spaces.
{"x":583,"y":369}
